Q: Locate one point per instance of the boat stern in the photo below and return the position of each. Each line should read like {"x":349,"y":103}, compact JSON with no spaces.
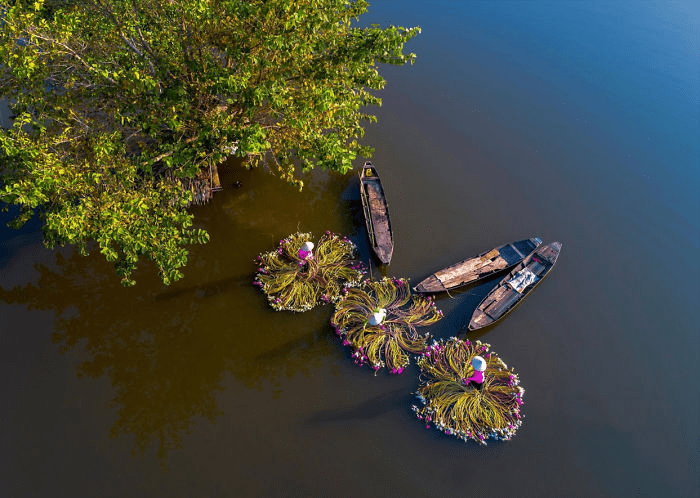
{"x":384,"y":254}
{"x":429,"y":285}
{"x":480,"y":320}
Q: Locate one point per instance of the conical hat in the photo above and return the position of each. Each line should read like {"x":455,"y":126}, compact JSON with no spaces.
{"x":377,"y":317}
{"x":479,"y":363}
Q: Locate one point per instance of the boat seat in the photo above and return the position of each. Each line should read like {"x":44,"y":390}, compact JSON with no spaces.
{"x":500,"y":307}
{"x":510,"y":255}
{"x":525,"y":246}
{"x":536,"y":267}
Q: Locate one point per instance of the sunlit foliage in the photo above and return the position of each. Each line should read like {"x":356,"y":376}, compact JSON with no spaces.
{"x":297,"y":283}
{"x":122,"y":109}
{"x":390,"y":343}
{"x":462,"y":410}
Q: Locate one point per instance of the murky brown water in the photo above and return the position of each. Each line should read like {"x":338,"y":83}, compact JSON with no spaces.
{"x":575,"y":122}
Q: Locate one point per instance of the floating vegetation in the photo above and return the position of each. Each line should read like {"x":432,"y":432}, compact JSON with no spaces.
{"x":379,"y":321}
{"x":299,"y":274}
{"x":459,"y":408}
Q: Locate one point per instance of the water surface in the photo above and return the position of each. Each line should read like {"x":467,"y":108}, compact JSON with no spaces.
{"x":572,"y":121}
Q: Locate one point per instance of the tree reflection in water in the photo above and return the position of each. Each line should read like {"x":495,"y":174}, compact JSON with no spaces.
{"x":167,"y":350}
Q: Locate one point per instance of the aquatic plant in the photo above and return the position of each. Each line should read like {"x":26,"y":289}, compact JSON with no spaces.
{"x":298,"y":275}
{"x":379,"y":321}
{"x":460,"y":409}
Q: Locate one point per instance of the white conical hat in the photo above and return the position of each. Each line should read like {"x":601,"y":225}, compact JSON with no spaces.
{"x":307,"y":246}
{"x":479,"y":363}
{"x":377,"y":317}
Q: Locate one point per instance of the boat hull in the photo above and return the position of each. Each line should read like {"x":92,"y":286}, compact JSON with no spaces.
{"x":484,"y":265}
{"x":520,"y":282}
{"x":376,"y":213}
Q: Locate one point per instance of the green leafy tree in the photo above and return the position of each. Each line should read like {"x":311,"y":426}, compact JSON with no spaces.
{"x":123,"y":108}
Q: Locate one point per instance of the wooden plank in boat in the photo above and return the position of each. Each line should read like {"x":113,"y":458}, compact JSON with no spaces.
{"x":507,"y":298}
{"x":536,"y":267}
{"x":480,"y":319}
{"x":497,"y":294}
{"x":469,"y":270}
{"x":547,"y":253}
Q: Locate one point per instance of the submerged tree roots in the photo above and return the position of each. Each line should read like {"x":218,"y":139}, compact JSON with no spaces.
{"x":389,"y":342}
{"x":493,"y":411}
{"x":295,"y":280}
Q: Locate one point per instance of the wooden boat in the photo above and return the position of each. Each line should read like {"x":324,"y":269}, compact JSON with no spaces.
{"x":484,"y":265}
{"x":515,"y":286}
{"x":376,"y":212}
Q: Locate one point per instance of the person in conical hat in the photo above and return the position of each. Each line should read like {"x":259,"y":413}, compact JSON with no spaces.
{"x":377,"y":317}
{"x":477,"y":378}
{"x":305,"y":250}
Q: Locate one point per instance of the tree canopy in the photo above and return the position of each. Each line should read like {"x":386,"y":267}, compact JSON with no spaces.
{"x":122,"y":108}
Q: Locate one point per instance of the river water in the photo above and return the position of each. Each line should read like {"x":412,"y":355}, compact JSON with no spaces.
{"x":571,"y":121}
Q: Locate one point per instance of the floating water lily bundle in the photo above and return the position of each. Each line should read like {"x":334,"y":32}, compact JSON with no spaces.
{"x":456,"y":406}
{"x":379,"y":321}
{"x":298,"y":275}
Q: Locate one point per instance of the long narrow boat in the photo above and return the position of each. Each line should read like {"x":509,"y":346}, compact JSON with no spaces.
{"x":515,"y":286}
{"x":482,"y":266}
{"x":376,"y":212}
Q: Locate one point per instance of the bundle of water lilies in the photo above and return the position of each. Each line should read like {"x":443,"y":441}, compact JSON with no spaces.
{"x":299,"y":274}
{"x":468,"y":391}
{"x":379,"y":320}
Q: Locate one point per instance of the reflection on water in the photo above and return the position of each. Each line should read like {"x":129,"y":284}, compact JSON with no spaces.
{"x":166,"y":349}
{"x":164,"y":371}
{"x":572,"y":121}
{"x":372,"y":408}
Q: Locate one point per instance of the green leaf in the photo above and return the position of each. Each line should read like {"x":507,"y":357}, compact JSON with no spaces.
{"x":118,"y":115}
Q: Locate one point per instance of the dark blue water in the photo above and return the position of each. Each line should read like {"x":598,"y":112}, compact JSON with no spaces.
{"x":574,"y":121}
